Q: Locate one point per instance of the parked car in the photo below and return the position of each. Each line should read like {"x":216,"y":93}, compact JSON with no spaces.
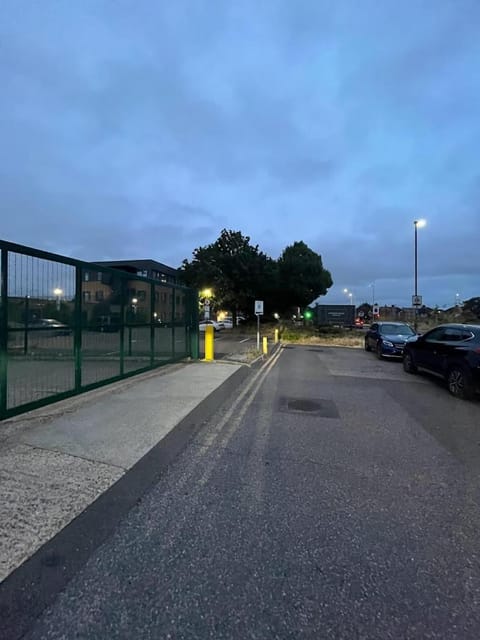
{"x":51,"y":327}
{"x":388,"y":338}
{"x":227,"y":323}
{"x":204,"y":323}
{"x":451,"y":351}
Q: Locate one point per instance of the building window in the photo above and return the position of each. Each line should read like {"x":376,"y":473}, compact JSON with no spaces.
{"x":164,"y":297}
{"x":141,"y":295}
{"x":86,"y":276}
{"x":98,"y":296}
{"x":99,"y":276}
{"x":87,"y":296}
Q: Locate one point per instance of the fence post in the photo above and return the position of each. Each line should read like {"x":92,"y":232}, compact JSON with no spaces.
{"x":152,"y":324}
{"x":173,"y":321}
{"x":194,"y":332}
{"x":77,"y":329}
{"x":4,"y":333}
{"x":122,"y":324}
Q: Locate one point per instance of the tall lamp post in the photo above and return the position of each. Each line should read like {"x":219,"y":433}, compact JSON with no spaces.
{"x":57,"y":293}
{"x":418,"y":224}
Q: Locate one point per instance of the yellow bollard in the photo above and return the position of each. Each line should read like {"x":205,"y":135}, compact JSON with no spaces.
{"x":265,"y":345}
{"x":276,"y":336}
{"x":209,"y":338}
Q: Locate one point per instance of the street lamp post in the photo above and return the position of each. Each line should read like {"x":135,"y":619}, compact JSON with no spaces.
{"x":57,"y":293}
{"x":134,"y":314}
{"x":417,"y":224}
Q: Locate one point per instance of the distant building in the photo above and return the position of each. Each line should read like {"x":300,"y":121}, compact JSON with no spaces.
{"x":146,"y":268}
{"x":101,"y":288}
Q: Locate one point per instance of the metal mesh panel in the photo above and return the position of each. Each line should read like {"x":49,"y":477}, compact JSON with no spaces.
{"x":40,"y":308}
{"x":101,"y":314}
{"x":136,"y":348}
{"x":180,"y":341}
{"x":66,"y":325}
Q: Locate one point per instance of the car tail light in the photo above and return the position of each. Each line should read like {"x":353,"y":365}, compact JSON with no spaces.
{"x":477,"y":350}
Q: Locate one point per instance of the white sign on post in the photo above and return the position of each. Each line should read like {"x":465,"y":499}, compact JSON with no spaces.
{"x":259,"y":307}
{"x":258,"y":313}
{"x":416,"y":301}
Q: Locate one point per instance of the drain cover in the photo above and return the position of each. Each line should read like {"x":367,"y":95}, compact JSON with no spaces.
{"x":304,"y":405}
{"x":322,"y":408}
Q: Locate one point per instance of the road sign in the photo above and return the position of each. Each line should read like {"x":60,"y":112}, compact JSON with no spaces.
{"x":375,"y":310}
{"x":416,"y":301}
{"x":259,"y":307}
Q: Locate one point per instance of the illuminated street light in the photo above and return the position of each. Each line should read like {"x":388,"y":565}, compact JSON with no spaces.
{"x":418,"y":224}
{"x":205,"y":296}
{"x":57,"y":293}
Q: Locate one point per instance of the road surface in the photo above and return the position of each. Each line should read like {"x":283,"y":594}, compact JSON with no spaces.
{"x":334,"y":497}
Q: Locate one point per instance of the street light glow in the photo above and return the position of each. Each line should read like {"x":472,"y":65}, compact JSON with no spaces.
{"x":420,"y":223}
{"x":57,"y":291}
{"x":134,"y":300}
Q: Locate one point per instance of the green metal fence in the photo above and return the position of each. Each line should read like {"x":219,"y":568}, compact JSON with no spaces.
{"x":68,"y":326}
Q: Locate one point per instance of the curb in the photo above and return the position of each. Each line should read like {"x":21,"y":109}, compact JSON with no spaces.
{"x":34,"y":585}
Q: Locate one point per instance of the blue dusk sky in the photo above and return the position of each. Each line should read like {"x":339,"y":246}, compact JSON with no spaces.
{"x":140,"y":129}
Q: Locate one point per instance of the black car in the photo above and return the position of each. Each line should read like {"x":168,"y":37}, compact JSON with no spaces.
{"x":388,"y":338}
{"x":451,"y":351}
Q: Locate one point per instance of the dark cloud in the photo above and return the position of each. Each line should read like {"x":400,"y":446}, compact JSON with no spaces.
{"x":142,"y":130}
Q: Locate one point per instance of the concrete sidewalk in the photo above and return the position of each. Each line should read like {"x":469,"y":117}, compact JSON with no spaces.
{"x":56,"y":461}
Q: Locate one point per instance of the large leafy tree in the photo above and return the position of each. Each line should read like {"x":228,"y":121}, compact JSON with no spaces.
{"x":236,"y":270}
{"x":301,"y":276}
{"x":471,"y":309}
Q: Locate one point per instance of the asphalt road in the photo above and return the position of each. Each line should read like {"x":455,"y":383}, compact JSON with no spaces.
{"x":333,"y":497}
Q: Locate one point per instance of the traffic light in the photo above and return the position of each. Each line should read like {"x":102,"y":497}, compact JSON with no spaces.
{"x":308,"y":314}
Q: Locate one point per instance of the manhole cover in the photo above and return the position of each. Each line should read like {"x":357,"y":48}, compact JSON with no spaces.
{"x":304,"y":405}
{"x":318,"y":407}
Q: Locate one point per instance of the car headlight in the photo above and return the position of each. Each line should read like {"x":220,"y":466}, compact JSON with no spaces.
{"x":387,"y":343}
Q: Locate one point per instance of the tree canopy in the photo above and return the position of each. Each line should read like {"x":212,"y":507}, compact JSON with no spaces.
{"x":239,"y":273}
{"x":301,"y":276}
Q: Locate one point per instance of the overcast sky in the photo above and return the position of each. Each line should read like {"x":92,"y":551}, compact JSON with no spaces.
{"x":136,"y":129}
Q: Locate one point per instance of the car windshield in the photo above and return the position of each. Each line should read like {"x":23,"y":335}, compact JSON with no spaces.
{"x":397,"y":329}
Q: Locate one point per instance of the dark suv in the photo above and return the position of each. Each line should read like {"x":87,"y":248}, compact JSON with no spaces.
{"x":451,"y":351}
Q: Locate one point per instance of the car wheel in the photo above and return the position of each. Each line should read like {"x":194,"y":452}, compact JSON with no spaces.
{"x":379,"y":351}
{"x":459,"y":383}
{"x":408,"y":365}
{"x":367,"y":346}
